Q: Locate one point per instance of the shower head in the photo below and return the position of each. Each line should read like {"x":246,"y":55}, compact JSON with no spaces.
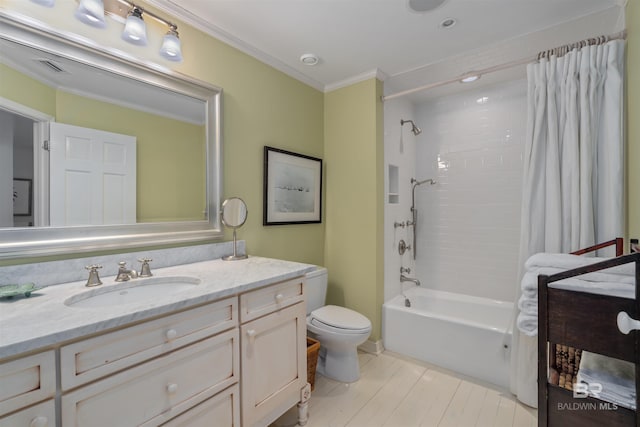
{"x":415,"y":129}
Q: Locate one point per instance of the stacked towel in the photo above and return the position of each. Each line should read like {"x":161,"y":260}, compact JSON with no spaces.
{"x":617,"y":378}
{"x":618,"y":281}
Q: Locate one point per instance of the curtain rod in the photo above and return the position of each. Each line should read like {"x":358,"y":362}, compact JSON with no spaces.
{"x":557,"y":51}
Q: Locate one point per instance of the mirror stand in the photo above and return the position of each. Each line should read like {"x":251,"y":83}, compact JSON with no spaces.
{"x":235,"y":255}
{"x":234,"y":215}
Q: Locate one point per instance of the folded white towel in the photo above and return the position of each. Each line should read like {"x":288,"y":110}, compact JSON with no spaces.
{"x":616,"y":377}
{"x":527,"y":324}
{"x":528,"y":306}
{"x":615,"y":282}
{"x":622,"y":273}
{"x":529,"y":286}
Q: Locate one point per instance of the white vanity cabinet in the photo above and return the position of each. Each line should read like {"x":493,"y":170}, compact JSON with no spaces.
{"x":24,"y":382}
{"x":237,"y":361}
{"x":153,"y":371}
{"x":273,"y":352}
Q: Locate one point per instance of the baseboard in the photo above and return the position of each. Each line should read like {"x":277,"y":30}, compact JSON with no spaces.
{"x":374,"y":347}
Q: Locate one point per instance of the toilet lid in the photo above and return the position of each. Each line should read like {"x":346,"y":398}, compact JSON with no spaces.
{"x":340,"y":317}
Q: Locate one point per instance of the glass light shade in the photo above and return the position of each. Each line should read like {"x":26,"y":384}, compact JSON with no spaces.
{"x":171,"y":48}
{"x":48,"y":3}
{"x":91,"y":12}
{"x":135,"y":30}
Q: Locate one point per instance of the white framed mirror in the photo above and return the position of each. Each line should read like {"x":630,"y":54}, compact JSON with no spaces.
{"x":173,"y":185}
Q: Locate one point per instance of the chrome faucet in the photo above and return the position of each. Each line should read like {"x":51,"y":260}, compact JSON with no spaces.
{"x":125,"y":274}
{"x":404,"y":278}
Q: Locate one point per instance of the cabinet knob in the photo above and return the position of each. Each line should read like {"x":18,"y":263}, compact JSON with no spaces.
{"x":171,"y":334}
{"x":279,"y":298}
{"x":626,"y":323}
{"x":39,"y":422}
{"x":251,"y":333}
{"x":172,"y":388}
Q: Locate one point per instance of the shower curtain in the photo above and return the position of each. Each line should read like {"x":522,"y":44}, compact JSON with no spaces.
{"x":573,"y":182}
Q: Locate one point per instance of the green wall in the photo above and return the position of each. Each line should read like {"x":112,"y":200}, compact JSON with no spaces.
{"x":175,"y":192}
{"x":633,"y":112}
{"x":27,"y":91}
{"x":353,"y":151}
{"x":261,"y":106}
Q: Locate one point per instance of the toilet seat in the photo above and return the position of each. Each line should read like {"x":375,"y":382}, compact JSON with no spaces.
{"x":339,"y":320}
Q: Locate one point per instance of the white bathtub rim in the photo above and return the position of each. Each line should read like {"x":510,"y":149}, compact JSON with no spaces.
{"x":397,"y":303}
{"x":450,"y":295}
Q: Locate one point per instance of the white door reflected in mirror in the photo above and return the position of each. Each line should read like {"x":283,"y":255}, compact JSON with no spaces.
{"x":234,"y":215}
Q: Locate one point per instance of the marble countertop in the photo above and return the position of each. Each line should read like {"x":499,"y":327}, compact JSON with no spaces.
{"x":43,"y":320}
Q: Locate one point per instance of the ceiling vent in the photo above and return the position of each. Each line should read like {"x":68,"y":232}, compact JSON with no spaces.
{"x":51,"y":65}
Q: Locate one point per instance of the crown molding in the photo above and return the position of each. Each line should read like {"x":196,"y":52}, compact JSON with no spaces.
{"x":195,"y":21}
{"x":376,"y":73}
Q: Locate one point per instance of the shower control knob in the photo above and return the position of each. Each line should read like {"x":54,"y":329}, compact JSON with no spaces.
{"x":405,"y":270}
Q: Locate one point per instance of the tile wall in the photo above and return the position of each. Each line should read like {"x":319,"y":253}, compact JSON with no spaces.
{"x":469,"y":223}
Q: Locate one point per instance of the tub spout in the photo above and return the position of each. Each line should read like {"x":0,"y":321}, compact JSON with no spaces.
{"x":404,"y":278}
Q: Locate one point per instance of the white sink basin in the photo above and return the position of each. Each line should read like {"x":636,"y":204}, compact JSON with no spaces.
{"x":135,"y":291}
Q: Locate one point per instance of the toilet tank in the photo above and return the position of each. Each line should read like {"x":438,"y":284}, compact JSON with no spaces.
{"x":316,"y":288}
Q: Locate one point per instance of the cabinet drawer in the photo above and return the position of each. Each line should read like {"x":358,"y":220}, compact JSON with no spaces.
{"x":103,"y":355}
{"x":40,"y":415}
{"x":222,"y":410}
{"x":158,"y":390}
{"x":27,"y":380}
{"x":263,"y":301}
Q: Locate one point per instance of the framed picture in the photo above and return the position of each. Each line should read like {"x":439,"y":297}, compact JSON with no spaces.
{"x":22,"y":196}
{"x":292,"y":188}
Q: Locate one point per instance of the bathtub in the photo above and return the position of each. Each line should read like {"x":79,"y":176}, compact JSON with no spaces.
{"x":466,"y":334}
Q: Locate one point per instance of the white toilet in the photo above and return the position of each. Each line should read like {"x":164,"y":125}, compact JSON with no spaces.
{"x":339,"y":330}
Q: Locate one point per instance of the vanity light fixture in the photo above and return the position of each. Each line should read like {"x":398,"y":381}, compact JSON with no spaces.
{"x":47,"y":3}
{"x":135,"y":30}
{"x":171,"y":48}
{"x":91,"y":12}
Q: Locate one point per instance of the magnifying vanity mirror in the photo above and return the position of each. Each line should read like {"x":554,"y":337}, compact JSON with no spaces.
{"x":160,"y":185}
{"x":234,"y":215}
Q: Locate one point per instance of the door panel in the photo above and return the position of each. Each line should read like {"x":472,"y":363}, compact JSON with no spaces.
{"x":93,"y":176}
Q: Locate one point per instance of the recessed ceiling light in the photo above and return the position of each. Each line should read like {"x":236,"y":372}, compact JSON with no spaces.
{"x":424,"y":5}
{"x":448,"y":23}
{"x":469,"y":78}
{"x":309,"y":59}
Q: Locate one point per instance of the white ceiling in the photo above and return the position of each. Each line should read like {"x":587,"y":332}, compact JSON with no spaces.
{"x":355,"y":38}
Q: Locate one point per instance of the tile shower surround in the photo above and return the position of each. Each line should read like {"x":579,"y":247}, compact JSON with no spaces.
{"x":469,"y":223}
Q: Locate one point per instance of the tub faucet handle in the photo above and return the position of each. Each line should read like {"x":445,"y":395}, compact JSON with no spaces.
{"x":405,"y":270}
{"x":94,"y":278}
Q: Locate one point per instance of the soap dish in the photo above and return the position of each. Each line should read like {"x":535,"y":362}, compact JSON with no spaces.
{"x":9,"y":291}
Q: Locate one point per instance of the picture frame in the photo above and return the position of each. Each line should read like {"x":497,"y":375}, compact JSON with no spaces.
{"x":22,"y":196}
{"x":292,"y":188}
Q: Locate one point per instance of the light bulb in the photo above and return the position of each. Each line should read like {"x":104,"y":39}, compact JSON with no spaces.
{"x":171,"y":47}
{"x":135,"y":30}
{"x":91,"y":12}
